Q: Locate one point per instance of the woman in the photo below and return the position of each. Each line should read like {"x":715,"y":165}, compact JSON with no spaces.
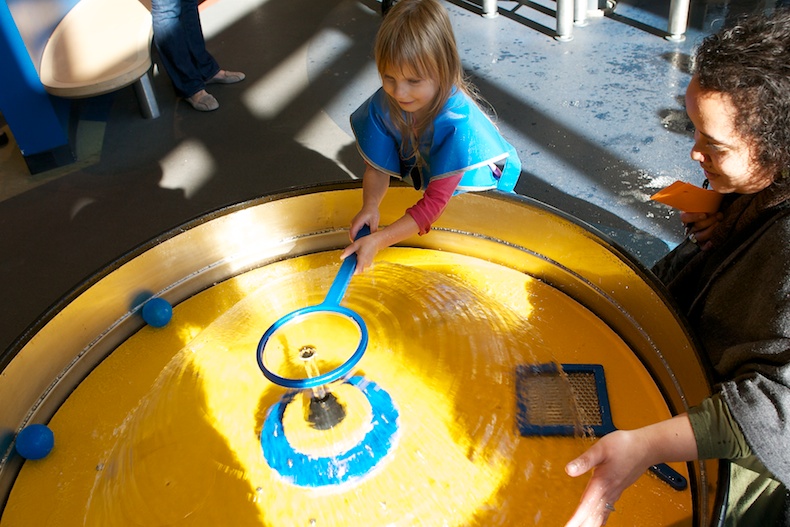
{"x":731,"y":279}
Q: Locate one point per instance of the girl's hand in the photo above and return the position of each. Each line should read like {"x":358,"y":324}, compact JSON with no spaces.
{"x":366,"y":249}
{"x":367,"y":246}
{"x":364,"y":217}
{"x":617,"y":461}
{"x":700,"y":226}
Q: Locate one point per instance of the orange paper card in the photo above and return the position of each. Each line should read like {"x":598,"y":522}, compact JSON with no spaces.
{"x":688,"y":198}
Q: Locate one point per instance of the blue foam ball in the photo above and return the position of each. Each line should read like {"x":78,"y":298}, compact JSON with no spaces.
{"x":157,"y":312}
{"x":35,"y":441}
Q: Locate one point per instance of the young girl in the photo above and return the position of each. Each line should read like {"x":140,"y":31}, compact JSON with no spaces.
{"x":424,"y":127}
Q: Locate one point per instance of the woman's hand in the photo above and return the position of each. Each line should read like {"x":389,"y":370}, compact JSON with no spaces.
{"x":617,"y":461}
{"x":700,"y":226}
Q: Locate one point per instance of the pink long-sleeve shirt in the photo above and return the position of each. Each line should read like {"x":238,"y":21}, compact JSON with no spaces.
{"x":428,"y":209}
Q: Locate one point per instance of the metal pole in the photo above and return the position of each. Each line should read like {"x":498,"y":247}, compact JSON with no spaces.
{"x":678,"y":20}
{"x":580,"y":13}
{"x":146,"y":97}
{"x":490,"y":9}
{"x":564,"y":20}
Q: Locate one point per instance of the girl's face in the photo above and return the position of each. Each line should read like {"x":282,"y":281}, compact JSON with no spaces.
{"x":726,"y":157}
{"x":414,"y":94}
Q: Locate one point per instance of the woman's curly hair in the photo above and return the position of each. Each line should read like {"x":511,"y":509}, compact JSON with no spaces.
{"x":750,"y":62}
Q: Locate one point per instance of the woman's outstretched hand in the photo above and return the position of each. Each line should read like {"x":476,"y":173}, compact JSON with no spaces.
{"x":618,"y":459}
{"x":617,"y":462}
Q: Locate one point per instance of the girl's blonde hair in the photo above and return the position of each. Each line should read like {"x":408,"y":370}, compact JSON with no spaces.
{"x":417,"y":35}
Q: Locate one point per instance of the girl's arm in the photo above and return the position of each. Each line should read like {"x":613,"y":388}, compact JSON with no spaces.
{"x":417,"y":219}
{"x":621,"y":457}
{"x":432,"y":204}
{"x":367,"y":247}
{"x":374,"y":188}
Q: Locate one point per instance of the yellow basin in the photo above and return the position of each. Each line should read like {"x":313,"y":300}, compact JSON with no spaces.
{"x":162,"y":426}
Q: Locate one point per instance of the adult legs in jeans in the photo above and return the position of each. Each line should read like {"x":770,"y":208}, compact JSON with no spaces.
{"x":178,"y":36}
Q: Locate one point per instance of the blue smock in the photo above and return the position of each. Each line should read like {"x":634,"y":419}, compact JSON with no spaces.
{"x":462,"y":139}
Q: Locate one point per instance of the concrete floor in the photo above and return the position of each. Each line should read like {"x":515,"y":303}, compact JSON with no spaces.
{"x":598,"y":122}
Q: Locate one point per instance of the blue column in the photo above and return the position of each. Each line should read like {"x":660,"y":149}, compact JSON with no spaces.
{"x":30,"y":112}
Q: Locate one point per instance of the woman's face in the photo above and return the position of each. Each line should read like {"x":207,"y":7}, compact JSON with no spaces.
{"x":414,"y":94}
{"x":726,"y":157}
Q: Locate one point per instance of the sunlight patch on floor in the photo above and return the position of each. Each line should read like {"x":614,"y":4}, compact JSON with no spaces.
{"x":188,"y":167}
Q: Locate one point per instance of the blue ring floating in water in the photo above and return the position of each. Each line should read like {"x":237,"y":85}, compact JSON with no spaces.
{"x":308,"y":471}
{"x":324,"y":378}
{"x":331,"y":304}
